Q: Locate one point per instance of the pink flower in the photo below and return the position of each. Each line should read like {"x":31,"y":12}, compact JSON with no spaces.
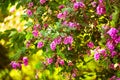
{"x":71,"y":24}
{"x":65,"y":23}
{"x":90,"y":45}
{"x":103,"y":53}
{"x":110,"y":45}
{"x":45,"y":26}
{"x":101,"y":9}
{"x":76,"y":5}
{"x":25,"y":61}
{"x":96,"y":56}
{"x":81,"y":5}
{"x":73,"y":75}
{"x":15,"y":65}
{"x":113,"y":53}
{"x":40,"y":44}
{"x":29,"y":12}
{"x":117,"y":40}
{"x":42,"y":1}
{"x":37,"y":27}
{"x":61,"y":6}
{"x":68,"y":40}
{"x":60,"y":15}
{"x":93,"y":4}
{"x":30,"y":4}
{"x":100,"y":1}
{"x":61,"y":62}
{"x":65,"y":13}
{"x":35,"y":33}
{"x":53,"y":46}
{"x":28,"y":44}
{"x":113,"y":78}
{"x":58,"y":40}
{"x":49,"y":60}
{"x":113,"y":33}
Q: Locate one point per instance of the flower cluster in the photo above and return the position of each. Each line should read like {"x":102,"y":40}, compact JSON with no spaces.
{"x":16,"y":65}
{"x":78,"y":5}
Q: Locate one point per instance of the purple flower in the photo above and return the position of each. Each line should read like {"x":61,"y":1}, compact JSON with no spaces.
{"x":93,"y":4}
{"x":68,"y":40}
{"x":73,"y":75}
{"x":61,"y":6}
{"x":65,"y":23}
{"x":40,"y":44}
{"x":14,"y":64}
{"x":42,"y":1}
{"x":117,"y":40}
{"x":110,"y":45}
{"x":35,"y":33}
{"x":29,"y":12}
{"x":103,"y":53}
{"x":53,"y":46}
{"x":113,"y":53}
{"x":81,"y":5}
{"x":49,"y":60}
{"x":37,"y":27}
{"x":100,"y":1}
{"x":61,"y":62}
{"x":71,"y":24}
{"x":25,"y":61}
{"x":96,"y":56}
{"x":28,"y":44}
{"x":30,"y":4}
{"x":113,"y":78}
{"x":90,"y":44}
{"x":58,"y":40}
{"x":65,"y":13}
{"x":76,"y":5}
{"x":101,"y":9}
{"x":60,"y":15}
{"x":113,"y":33}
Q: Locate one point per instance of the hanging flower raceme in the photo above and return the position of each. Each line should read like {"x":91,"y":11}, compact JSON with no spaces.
{"x":40,"y":44}
{"x":90,"y":44}
{"x":113,"y":33}
{"x":25,"y":61}
{"x":49,"y":60}
{"x":29,"y":12}
{"x":15,"y":65}
{"x":35,"y":33}
{"x":78,"y":5}
{"x":68,"y":40}
{"x":30,"y":4}
{"x":42,"y":1}
{"x":53,"y":46}
{"x":101,"y":9}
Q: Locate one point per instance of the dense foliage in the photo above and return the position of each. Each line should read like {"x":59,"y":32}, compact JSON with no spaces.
{"x":75,"y":36}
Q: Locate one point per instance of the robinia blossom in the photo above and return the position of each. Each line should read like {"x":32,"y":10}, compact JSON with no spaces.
{"x":40,"y":44}
{"x":96,"y":56}
{"x":53,"y":46}
{"x":113,"y":33}
{"x":49,"y":60}
{"x":42,"y":1}
{"x":61,"y":62}
{"x":68,"y":40}
{"x":25,"y":61}
{"x":90,"y":44}
{"x":101,"y":9}
{"x":29,"y":12}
